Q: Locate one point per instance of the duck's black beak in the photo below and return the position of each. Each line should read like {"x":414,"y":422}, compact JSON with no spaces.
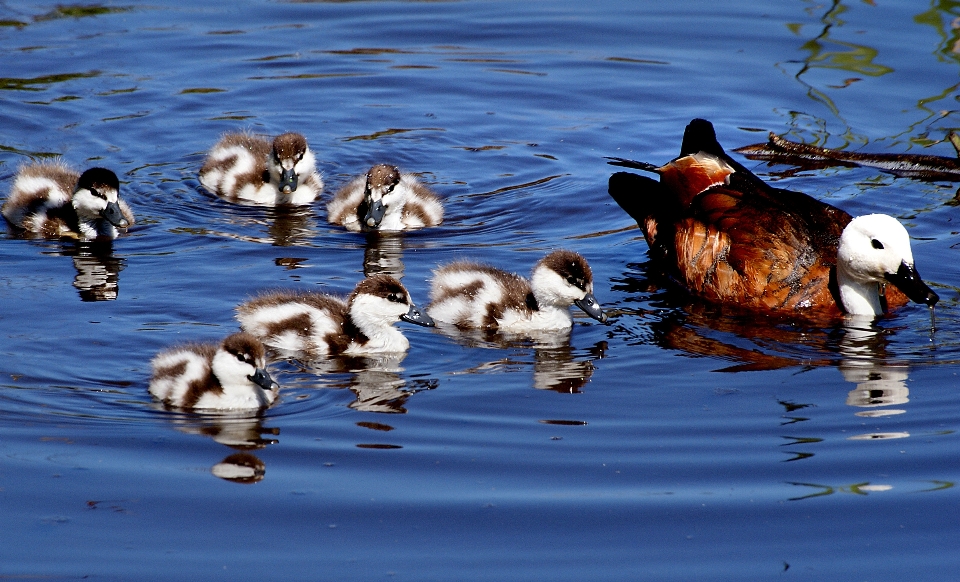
{"x":908,"y":280}
{"x":113,"y":215}
{"x":416,"y":316}
{"x":590,"y":306}
{"x":288,"y":181}
{"x":262,"y":379}
{"x":375,"y":212}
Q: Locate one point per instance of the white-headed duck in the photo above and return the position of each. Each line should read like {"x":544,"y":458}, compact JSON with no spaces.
{"x":243,"y":167}
{"x":318,"y":324}
{"x":473,"y":295}
{"x":54,"y":200}
{"x":228,"y":376}
{"x":385,"y":199}
{"x":730,"y":238}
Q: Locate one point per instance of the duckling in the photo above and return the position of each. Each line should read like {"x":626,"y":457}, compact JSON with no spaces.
{"x":208,"y":376}
{"x":385,"y":199}
{"x":53,"y":200}
{"x":316,"y":324}
{"x":473,"y":295}
{"x":728,"y":237}
{"x":243,"y":167}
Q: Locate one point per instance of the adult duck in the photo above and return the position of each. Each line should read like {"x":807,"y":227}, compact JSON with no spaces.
{"x":729,"y":237}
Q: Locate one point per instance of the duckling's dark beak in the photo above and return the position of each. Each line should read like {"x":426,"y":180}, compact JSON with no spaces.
{"x":590,"y":306}
{"x":375,"y":212}
{"x":288,"y":181}
{"x":416,"y":316}
{"x":113,"y":215}
{"x":262,"y":379}
{"x":908,"y":280}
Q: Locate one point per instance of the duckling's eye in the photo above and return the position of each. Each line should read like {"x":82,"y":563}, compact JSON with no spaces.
{"x":876,"y":244}
{"x":241,"y":358}
{"x":96,"y":193}
{"x":396,"y":298}
{"x":578,"y":283}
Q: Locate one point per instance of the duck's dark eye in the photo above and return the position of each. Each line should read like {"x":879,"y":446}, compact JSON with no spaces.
{"x":96,"y":193}
{"x":241,"y":358}
{"x":876,"y":244}
{"x":396,"y":298}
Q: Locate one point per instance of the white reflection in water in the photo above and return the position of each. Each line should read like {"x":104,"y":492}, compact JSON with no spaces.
{"x":555,"y":366}
{"x":98,"y":275}
{"x":879,"y":383}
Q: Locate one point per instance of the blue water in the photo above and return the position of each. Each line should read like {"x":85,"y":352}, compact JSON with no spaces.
{"x":679,"y":442}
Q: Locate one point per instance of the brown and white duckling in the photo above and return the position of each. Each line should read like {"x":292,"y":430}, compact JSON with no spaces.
{"x":385,"y":199}
{"x":316,"y":324}
{"x":472,"y":295}
{"x":229,"y":376}
{"x":243,"y":167}
{"x":53,"y":200}
{"x":728,"y":237}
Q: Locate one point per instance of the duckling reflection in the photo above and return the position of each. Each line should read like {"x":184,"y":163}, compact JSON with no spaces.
{"x":375,"y":379}
{"x":241,"y":431}
{"x":555,"y":365}
{"x":879,"y":383}
{"x":98,"y":272}
{"x":282,"y":226}
{"x":241,"y":468}
{"x":383,"y":254}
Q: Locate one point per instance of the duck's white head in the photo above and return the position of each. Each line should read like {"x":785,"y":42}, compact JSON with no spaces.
{"x":290,"y":158}
{"x":239,"y":364}
{"x":380,"y":194}
{"x":97,"y":197}
{"x":562,"y":279}
{"x":380,"y":301}
{"x":875,"y":250}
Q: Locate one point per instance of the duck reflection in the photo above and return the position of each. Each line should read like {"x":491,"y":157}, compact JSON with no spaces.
{"x":383,"y":254}
{"x":879,"y":382}
{"x":856,"y":346}
{"x":555,"y":365}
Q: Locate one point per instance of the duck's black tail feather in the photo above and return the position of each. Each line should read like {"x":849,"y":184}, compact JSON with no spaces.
{"x":699,"y":136}
{"x":639,"y":196}
{"x":646,"y":167}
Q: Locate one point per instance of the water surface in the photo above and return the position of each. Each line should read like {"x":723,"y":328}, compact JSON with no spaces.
{"x":679,"y":442}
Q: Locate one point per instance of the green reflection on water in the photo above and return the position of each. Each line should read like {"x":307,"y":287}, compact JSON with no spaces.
{"x":80,"y":11}
{"x":38,"y":83}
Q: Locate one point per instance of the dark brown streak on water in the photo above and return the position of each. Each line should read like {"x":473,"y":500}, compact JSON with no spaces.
{"x":920,"y":166}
